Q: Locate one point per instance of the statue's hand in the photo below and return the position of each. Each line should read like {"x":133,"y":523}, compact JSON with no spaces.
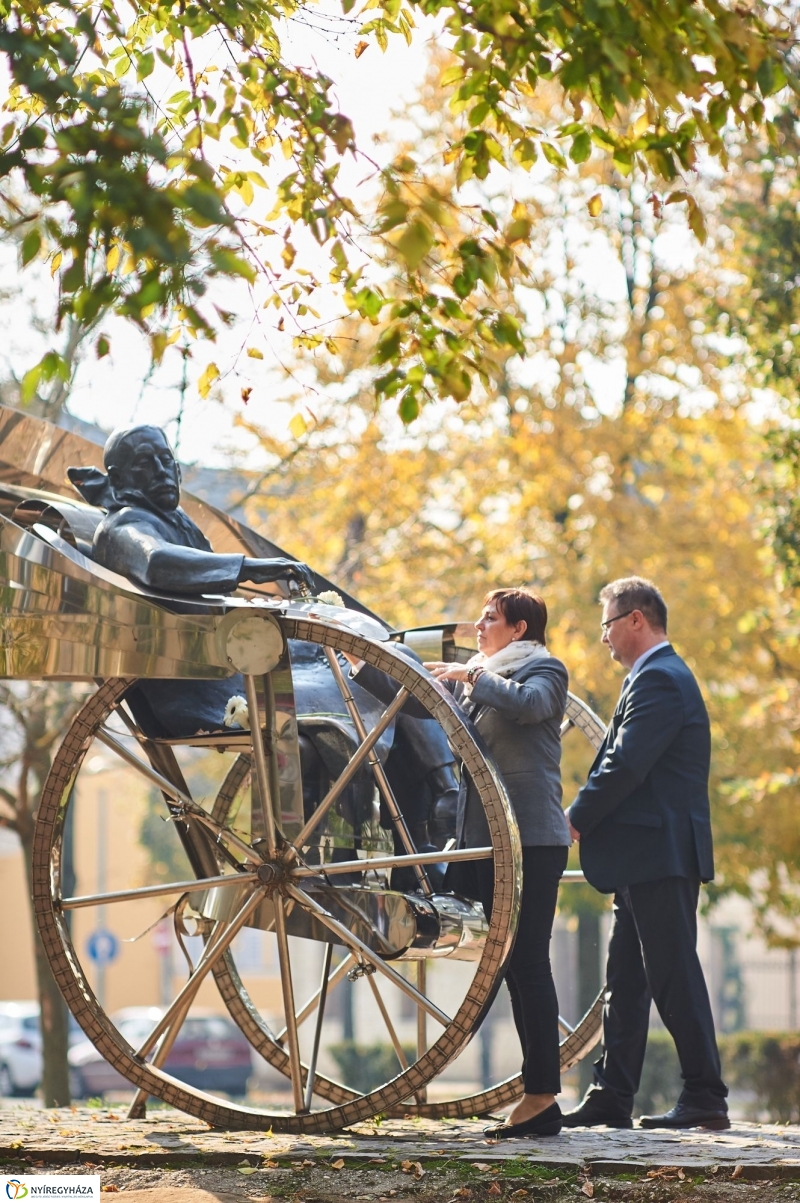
{"x":262,"y":571}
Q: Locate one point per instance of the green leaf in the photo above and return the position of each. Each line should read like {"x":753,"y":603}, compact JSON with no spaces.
{"x":31,"y":245}
{"x":553,"y":155}
{"x":229,"y":264}
{"x":145,"y":65}
{"x":30,"y":383}
{"x":581,"y":147}
{"x":770,"y":77}
{"x":415,"y":243}
{"x":479,"y":112}
{"x":408,"y":409}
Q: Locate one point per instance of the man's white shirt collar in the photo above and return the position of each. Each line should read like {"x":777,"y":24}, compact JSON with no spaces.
{"x":639,"y":664}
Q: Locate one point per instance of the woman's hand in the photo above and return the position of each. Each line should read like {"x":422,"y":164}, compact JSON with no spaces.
{"x":446,"y":672}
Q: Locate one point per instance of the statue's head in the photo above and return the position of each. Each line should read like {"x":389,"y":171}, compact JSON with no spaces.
{"x":141,"y":466}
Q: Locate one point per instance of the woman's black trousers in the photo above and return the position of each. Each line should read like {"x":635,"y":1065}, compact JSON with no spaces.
{"x":529,"y":977}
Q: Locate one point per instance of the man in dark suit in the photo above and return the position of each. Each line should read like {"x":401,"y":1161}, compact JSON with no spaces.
{"x":645,"y":835}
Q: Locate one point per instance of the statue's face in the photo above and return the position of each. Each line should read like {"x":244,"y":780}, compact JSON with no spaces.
{"x":149,"y":467}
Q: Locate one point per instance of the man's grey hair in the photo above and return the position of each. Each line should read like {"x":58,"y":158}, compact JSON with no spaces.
{"x":637,"y":593}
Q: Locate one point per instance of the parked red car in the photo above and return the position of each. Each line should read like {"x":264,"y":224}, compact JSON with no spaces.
{"x":210,"y":1053}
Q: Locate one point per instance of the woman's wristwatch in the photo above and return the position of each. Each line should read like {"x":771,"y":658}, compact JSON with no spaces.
{"x":473,"y":674}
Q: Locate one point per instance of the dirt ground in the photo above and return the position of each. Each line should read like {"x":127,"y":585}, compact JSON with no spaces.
{"x":391,"y":1181}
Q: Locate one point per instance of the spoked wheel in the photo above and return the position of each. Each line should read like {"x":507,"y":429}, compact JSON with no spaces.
{"x":310,"y":876}
{"x":576,"y":1041}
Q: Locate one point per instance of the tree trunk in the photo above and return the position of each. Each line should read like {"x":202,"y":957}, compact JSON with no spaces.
{"x":54,"y":1023}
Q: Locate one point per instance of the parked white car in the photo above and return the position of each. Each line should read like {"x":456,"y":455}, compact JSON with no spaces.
{"x":20,"y":1048}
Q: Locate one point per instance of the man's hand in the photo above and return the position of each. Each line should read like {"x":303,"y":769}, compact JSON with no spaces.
{"x":262,"y":571}
{"x":576,"y":835}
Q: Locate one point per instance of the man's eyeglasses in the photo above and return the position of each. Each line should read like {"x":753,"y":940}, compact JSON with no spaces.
{"x":605,"y":625}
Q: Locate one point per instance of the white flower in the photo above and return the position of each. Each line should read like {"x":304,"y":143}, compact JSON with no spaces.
{"x":330,"y":597}
{"x":236,"y":714}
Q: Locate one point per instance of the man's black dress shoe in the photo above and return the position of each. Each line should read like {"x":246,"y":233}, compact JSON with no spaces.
{"x":546,"y":1123}
{"x":593,"y":1113}
{"x":683,"y":1116}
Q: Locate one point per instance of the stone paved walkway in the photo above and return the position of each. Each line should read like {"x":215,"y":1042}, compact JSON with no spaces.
{"x":104,"y":1137}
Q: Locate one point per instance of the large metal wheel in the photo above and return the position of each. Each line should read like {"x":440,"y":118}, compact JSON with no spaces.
{"x":576,"y":1041}
{"x":263,"y":866}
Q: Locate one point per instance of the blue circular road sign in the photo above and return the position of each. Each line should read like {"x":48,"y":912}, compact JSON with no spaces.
{"x":102,"y":946}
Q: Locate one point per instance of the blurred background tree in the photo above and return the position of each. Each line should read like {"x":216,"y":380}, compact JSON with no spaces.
{"x":626,"y":442}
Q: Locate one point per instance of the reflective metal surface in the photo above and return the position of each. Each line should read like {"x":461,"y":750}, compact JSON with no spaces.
{"x":395,"y":926}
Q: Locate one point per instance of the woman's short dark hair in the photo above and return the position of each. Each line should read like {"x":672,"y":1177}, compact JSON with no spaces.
{"x":521,"y":605}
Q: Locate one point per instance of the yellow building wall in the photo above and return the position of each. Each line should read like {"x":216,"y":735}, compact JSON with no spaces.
{"x":109,"y":809}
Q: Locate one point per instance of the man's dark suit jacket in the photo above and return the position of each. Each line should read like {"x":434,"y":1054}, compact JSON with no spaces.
{"x":644,"y":811}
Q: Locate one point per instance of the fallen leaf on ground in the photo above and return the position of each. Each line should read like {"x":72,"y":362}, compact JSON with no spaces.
{"x":495,"y":1189}
{"x":737,"y":1171}
{"x":247,"y":1169}
{"x":270,"y":1165}
{"x":587,"y":1189}
{"x":681,"y":1175}
{"x":480,"y":1165}
{"x":307,"y":1161}
{"x":110,"y":1189}
{"x":338,"y":1164}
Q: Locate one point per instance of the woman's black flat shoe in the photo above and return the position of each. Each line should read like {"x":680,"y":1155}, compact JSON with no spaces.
{"x":546,"y":1123}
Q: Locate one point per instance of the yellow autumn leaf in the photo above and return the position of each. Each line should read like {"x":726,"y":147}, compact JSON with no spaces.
{"x":298,"y":426}
{"x":55,"y":263}
{"x":207,"y":379}
{"x":595,"y":205}
{"x":254,"y":353}
{"x":112,"y":259}
{"x":287,"y":146}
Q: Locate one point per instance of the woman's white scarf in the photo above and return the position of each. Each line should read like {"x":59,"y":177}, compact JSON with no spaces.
{"x":509,"y":660}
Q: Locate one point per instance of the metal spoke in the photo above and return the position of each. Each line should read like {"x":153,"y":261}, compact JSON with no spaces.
{"x":378,"y":772}
{"x":268,"y":805}
{"x":323,"y":994}
{"x":287,"y":990}
{"x":393,"y":862}
{"x":566,"y":1028}
{"x":398,"y":1048}
{"x":267,"y":793}
{"x":137,"y":1107}
{"x":422,"y":1024}
{"x":310,"y":1005}
{"x":177,"y":794}
{"x":175,"y":887}
{"x":216,"y":946}
{"x":353,"y":942}
{"x":351,"y":768}
{"x":224,"y":833}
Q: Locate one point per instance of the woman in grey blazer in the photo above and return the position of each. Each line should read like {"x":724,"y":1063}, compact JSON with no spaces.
{"x":516,"y":693}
